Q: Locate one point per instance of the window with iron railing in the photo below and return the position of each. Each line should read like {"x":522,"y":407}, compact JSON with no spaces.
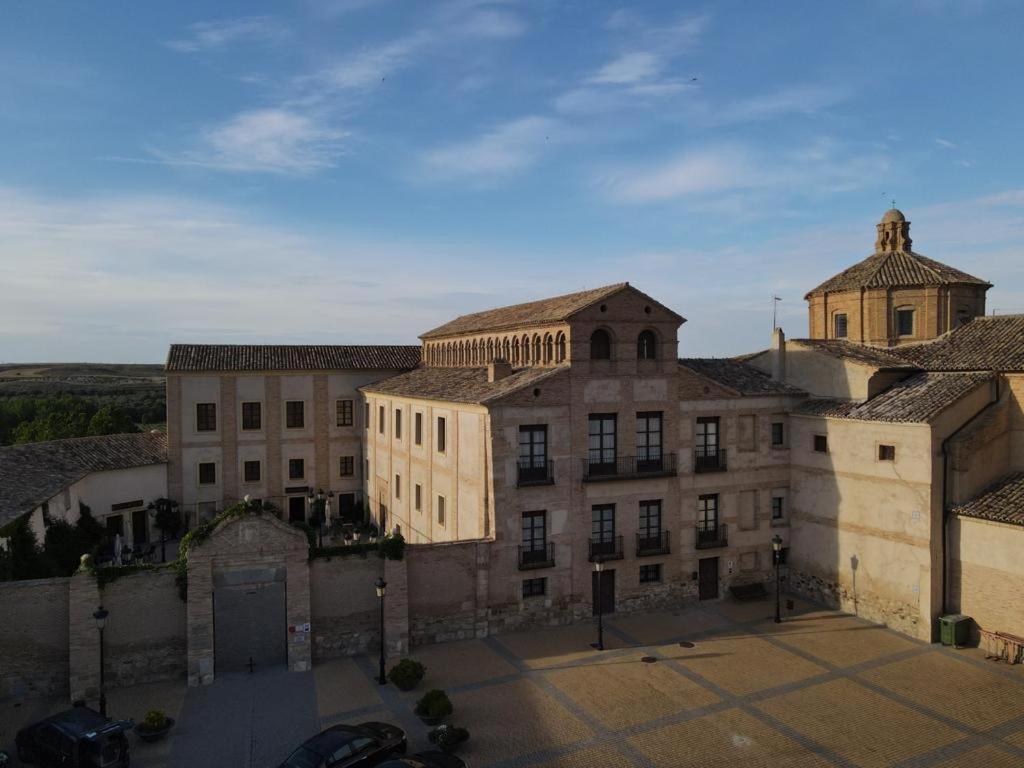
{"x":534,"y":466}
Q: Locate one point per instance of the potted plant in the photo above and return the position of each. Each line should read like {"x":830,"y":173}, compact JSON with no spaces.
{"x":155,"y":726}
{"x":434,"y":707}
{"x":448,"y":738}
{"x":406,"y":674}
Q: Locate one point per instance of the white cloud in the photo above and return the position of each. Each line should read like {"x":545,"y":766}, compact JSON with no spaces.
{"x":715,"y":169}
{"x":505,"y":149}
{"x":628,"y":68}
{"x":369,"y":66}
{"x":945,"y":143}
{"x":264,"y":141}
{"x":793,"y":99}
{"x":215,"y":35}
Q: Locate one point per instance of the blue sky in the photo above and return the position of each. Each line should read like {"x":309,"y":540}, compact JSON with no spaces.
{"x":359,"y":171}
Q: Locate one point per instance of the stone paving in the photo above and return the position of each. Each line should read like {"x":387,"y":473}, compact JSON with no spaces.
{"x":819,"y":689}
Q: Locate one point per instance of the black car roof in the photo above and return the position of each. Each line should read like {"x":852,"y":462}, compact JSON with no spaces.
{"x":325,"y":742}
{"x":79,"y":721}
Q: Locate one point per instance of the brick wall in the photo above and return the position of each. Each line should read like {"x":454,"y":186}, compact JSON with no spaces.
{"x":986,"y":575}
{"x":34,"y":640}
{"x":344,"y":605}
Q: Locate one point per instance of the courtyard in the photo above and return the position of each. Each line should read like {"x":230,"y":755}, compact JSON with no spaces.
{"x":717,"y":684}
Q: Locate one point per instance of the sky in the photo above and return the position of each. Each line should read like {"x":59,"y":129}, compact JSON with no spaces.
{"x":360,"y":171}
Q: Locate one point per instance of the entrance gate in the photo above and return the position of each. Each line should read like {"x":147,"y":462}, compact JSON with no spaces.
{"x":249,"y":619}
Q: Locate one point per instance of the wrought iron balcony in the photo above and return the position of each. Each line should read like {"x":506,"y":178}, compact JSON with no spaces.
{"x":629,"y":468}
{"x":711,"y":535}
{"x":656,"y":544}
{"x":531,"y":557}
{"x":536,"y":472}
{"x":607,"y":547}
{"x":709,"y":459}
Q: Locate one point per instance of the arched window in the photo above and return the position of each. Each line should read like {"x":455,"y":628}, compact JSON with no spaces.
{"x":600,"y":345}
{"x":647,"y":346}
{"x":515,"y":350}
{"x":560,"y":348}
{"x":506,"y":350}
{"x":490,"y":351}
{"x":526,"y":351}
{"x":963,"y":316}
{"x":549,"y":350}
{"x":536,"y":350}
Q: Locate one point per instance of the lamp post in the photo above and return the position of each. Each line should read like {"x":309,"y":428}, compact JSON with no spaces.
{"x":100,"y":614}
{"x":776,"y":552}
{"x":599,"y":570}
{"x":382,"y":587}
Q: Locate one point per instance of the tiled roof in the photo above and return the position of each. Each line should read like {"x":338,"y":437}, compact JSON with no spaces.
{"x":914,"y":400}
{"x":543,"y":312}
{"x":458,"y":385}
{"x":895,"y":269}
{"x":738,"y":376}
{"x":34,"y":472}
{"x":984,"y":344}
{"x":857,"y":353}
{"x":300,"y":357}
{"x":1002,"y":501}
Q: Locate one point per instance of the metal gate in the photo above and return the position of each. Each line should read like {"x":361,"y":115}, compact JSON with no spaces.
{"x":249,"y":625}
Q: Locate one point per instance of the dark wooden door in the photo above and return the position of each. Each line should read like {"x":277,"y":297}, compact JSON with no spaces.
{"x":296,"y":509}
{"x":140,"y":534}
{"x":607,"y":591}
{"x":347,"y":507}
{"x":707,"y":578}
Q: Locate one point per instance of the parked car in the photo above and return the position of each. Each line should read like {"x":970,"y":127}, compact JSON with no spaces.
{"x":426,"y":760}
{"x":76,"y":738}
{"x":340,"y":746}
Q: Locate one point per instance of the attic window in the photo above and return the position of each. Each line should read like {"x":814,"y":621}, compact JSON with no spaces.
{"x":887,"y":453}
{"x":839,"y":322}
{"x":905,"y":322}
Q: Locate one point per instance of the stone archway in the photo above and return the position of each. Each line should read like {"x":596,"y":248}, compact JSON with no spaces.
{"x":257,"y":549}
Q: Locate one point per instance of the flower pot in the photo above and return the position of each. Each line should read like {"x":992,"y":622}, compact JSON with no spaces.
{"x":428,"y":720}
{"x":150,"y":735}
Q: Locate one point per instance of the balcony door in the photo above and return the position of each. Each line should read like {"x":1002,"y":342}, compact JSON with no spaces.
{"x":650,"y":525}
{"x":533,"y":452}
{"x":601,"y":443}
{"x":707,"y":440}
{"x":602,"y":531}
{"x":648,"y":441}
{"x":535,"y":537}
{"x":707,"y":517}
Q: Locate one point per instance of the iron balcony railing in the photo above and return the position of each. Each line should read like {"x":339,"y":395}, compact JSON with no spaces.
{"x":536,"y":472}
{"x":536,"y":556}
{"x":711,"y":535}
{"x":629,"y":467}
{"x":652,"y":544}
{"x":709,"y":458}
{"x":606,"y":547}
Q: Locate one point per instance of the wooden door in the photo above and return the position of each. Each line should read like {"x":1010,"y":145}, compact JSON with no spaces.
{"x":606,"y":593}
{"x":707,"y":578}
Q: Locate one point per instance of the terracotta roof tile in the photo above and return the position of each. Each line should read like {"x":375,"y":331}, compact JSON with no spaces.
{"x":984,"y":344}
{"x":302,"y":357}
{"x":895,"y":269}
{"x":34,"y":472}
{"x":917,"y":399}
{"x":1002,"y":501}
{"x":739,"y":376}
{"x":459,"y":385}
{"x":858,"y":353}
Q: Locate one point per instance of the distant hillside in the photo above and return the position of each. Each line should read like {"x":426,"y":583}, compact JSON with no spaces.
{"x":82,"y":379}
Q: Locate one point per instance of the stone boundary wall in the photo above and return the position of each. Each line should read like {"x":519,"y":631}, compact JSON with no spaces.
{"x":443,"y":592}
{"x":34,"y":639}
{"x":903,"y":617}
{"x":986,"y":574}
{"x":343,"y":604}
{"x":145,"y":634}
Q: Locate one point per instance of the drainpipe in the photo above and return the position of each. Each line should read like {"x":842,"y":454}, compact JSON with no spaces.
{"x":945,"y":490}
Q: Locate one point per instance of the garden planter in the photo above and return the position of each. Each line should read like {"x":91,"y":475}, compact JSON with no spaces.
{"x":150,"y":735}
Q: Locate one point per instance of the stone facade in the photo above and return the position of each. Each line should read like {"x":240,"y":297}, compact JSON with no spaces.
{"x":35,"y":639}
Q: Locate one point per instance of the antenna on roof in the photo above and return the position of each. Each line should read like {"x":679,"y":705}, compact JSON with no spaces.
{"x":775,"y":304}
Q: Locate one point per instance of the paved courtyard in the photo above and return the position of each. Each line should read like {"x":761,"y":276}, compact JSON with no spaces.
{"x":820,"y":689}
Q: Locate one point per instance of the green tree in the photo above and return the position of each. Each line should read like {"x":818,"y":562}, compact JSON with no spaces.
{"x":111,"y":420}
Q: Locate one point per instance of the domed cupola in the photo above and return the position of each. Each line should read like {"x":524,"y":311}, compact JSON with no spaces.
{"x":893,"y":233}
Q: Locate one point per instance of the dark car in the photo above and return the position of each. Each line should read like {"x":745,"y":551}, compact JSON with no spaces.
{"x":77,"y":738}
{"x":426,"y":760}
{"x":340,"y":746}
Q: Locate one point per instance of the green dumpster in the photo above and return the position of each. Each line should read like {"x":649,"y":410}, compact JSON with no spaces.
{"x":954,"y":629}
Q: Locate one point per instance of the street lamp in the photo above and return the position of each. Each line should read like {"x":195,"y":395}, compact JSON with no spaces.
{"x":776,"y":554}
{"x":382,"y":587}
{"x":100,"y":614}
{"x":599,"y":570}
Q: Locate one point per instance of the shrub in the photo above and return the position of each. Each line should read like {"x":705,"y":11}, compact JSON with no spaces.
{"x":392,"y":546}
{"x":406,"y":674}
{"x":155,"y":720}
{"x":448,"y":737}
{"x":434,"y":704}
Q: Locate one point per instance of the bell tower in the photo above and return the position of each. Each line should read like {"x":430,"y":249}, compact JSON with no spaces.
{"x":893,"y":233}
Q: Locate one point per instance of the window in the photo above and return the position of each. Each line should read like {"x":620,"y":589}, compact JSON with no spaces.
{"x":295,"y":414}
{"x":600,"y":345}
{"x":777,"y":507}
{"x":398,"y":424}
{"x":366,"y":415}
{"x":207,"y":473}
{"x":534,"y":531}
{"x":252,"y":415}
{"x":650,"y":574}
{"x":251,"y":471}
{"x":820,"y":444}
{"x":601,"y":441}
{"x":533,"y":452}
{"x":887,"y":453}
{"x":602,"y":529}
{"x":646,"y":346}
{"x":440,"y":510}
{"x":707,"y":511}
{"x":347,"y":466}
{"x":418,"y":497}
{"x":707,"y":434}
{"x":398,"y":486}
{"x":442,"y":434}
{"x":650,"y":519}
{"x":963,"y":316}
{"x":648,"y":439}
{"x":343,"y":413}
{"x":905,"y":322}
{"x":417,"y":428}
{"x":839,"y":325}
{"x":778,"y":434}
{"x":206,"y":417}
{"x":535,"y":587}
{"x":380,"y":419}
{"x":296,"y":469}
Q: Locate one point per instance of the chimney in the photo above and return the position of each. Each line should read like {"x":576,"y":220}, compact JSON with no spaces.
{"x":778,"y":350}
{"x":498,"y":369}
